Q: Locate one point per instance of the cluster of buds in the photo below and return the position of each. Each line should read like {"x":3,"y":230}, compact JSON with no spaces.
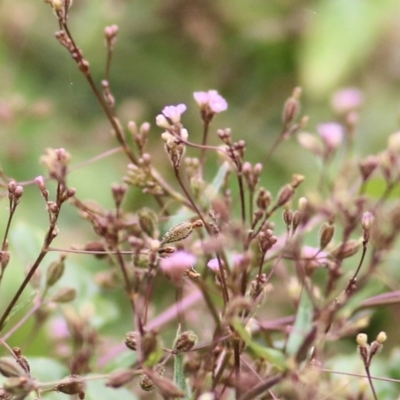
{"x":266,"y":239}
{"x":139,"y":135}
{"x":141,"y":176}
{"x":60,"y":8}
{"x":175,"y":134}
{"x":15,"y":193}
{"x":252,"y":175}
{"x":368,"y":351}
{"x":56,"y":161}
{"x":110,"y":33}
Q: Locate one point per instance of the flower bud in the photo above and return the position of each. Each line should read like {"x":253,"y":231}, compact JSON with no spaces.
{"x":55,"y":271}
{"x":9,"y":368}
{"x":326,"y":234}
{"x":64,"y":295}
{"x":381,"y":338}
{"x":291,"y":108}
{"x":346,"y":249}
{"x":285,"y":195}
{"x":72,"y":384}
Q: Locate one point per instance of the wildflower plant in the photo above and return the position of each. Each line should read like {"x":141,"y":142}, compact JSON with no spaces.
{"x":221,"y":302}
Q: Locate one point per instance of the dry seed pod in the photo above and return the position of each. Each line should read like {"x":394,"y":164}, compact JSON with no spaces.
{"x":180,"y":231}
{"x":185,"y":342}
{"x":131,"y":340}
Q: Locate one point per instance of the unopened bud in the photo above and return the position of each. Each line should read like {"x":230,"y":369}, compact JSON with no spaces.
{"x":346,"y":249}
{"x":367,"y":221}
{"x":9,"y":368}
{"x":264,"y":199}
{"x":285,"y":195}
{"x":18,"y":386}
{"x":55,"y":271}
{"x":64,"y":295}
{"x":291,"y":108}
{"x":288,"y":217}
{"x":5,"y":259}
{"x":72,"y":384}
{"x":381,"y":338}
{"x":326,"y":234}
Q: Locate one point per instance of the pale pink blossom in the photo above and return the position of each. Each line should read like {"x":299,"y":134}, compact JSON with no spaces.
{"x":347,"y":99}
{"x":39,"y":180}
{"x":213,"y":265}
{"x":331,"y":134}
{"x":177,"y":264}
{"x":174,"y":112}
{"x":211,"y":100}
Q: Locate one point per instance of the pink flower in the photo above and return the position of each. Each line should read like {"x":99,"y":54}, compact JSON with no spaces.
{"x":174,"y":112}
{"x":346,"y":100}
{"x":211,"y":100}
{"x":177,"y":264}
{"x":331,"y":134}
{"x":213,"y":265}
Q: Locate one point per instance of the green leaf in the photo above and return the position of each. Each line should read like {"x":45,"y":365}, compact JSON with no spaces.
{"x":341,"y":36}
{"x":18,"y":307}
{"x":376,"y":188}
{"x":302,"y":325}
{"x":179,"y":376}
{"x":274,"y":356}
{"x":213,"y":189}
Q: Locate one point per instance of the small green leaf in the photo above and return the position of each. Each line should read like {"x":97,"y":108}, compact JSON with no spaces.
{"x":274,"y":356}
{"x":302,"y":325}
{"x":179,"y":376}
{"x":18,"y":308}
{"x":213,"y":189}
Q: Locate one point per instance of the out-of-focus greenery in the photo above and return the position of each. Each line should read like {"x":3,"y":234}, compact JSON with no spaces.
{"x":253,"y":52}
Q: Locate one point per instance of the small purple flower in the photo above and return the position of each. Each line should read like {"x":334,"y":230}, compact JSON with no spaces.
{"x":332,"y":135}
{"x":211,"y":100}
{"x":347,"y":99}
{"x":174,"y":112}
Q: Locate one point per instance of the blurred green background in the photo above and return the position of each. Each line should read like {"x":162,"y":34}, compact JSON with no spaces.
{"x":253,"y":52}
